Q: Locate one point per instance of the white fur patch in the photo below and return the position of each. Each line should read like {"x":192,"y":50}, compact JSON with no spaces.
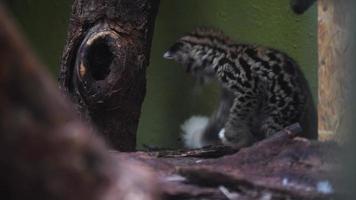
{"x":222,"y":135}
{"x":192,"y":131}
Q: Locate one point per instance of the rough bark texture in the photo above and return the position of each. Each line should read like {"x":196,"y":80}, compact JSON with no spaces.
{"x":281,"y":167}
{"x":46,"y":152}
{"x":103,"y":67}
{"x":336,"y":47}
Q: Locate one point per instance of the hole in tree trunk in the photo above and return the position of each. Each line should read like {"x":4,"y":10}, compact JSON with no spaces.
{"x":99,"y":59}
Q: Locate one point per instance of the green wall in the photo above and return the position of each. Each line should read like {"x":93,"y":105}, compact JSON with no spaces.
{"x":45,"y":23}
{"x":172,"y":96}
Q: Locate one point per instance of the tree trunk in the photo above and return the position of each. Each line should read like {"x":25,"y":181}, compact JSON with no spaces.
{"x":46,"y":152}
{"x":103,"y":67}
{"x":335,"y":48}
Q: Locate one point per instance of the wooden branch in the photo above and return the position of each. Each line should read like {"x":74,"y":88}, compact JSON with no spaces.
{"x":46,"y":152}
{"x":103,"y":67}
{"x":281,"y":167}
{"x":336,"y":50}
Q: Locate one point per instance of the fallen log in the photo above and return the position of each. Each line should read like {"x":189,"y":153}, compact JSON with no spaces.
{"x":281,"y":167}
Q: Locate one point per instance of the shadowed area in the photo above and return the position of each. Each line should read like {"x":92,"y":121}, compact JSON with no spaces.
{"x":99,"y":58}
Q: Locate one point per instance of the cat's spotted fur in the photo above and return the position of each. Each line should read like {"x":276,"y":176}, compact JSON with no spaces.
{"x":263,"y":89}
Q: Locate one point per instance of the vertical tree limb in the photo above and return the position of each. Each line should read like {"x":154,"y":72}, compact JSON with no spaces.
{"x":103,"y":67}
{"x":46,"y":152}
{"x":335,"y":48}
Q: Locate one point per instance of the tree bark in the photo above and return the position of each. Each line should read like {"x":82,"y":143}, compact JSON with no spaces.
{"x":280,"y":167}
{"x":46,"y":152}
{"x":335,"y":66}
{"x":103,"y":68}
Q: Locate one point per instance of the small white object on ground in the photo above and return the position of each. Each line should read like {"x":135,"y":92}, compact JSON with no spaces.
{"x":175,"y":178}
{"x":324,"y":187}
{"x":266,"y":196}
{"x":229,"y":195}
{"x":192,"y":131}
{"x":285,"y":182}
